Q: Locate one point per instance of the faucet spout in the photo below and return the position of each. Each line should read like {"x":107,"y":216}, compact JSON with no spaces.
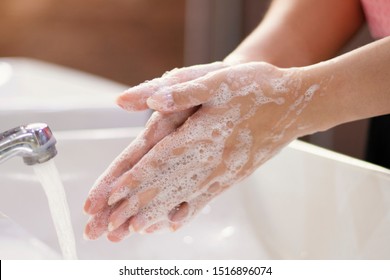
{"x":34,"y":142}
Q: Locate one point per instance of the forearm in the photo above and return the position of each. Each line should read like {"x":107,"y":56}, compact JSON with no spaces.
{"x":353,"y":86}
{"x":300,"y":32}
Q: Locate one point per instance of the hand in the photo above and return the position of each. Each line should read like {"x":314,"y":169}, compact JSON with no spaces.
{"x":249,"y":112}
{"x":156,"y":129}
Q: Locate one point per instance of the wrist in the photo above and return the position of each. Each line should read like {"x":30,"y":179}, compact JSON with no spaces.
{"x":321,"y":90}
{"x":307,"y":104}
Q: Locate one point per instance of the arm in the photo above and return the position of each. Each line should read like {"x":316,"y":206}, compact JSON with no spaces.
{"x":350,"y":87}
{"x":300,"y":32}
{"x":293,"y":33}
{"x":249,"y":112}
{"x":359,"y":85}
{"x":289,"y":36}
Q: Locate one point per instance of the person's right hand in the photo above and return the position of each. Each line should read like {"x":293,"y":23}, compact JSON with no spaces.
{"x":248,"y":113}
{"x":158,"y":127}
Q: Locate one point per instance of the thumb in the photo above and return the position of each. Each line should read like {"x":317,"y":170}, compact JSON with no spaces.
{"x":134,"y":99}
{"x":183,"y":96}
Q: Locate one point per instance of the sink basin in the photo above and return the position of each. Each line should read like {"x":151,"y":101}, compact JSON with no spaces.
{"x":82,"y":156}
{"x":311,"y":203}
{"x":16,"y":243}
{"x":306,"y":203}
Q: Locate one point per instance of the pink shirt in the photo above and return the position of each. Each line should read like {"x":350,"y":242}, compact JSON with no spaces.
{"x":378,"y":17}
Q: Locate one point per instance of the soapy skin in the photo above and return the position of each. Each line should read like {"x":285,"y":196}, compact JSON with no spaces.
{"x":243,"y":114}
{"x":203,"y":152}
{"x":159,"y":126}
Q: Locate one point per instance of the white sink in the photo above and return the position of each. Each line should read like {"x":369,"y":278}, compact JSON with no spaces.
{"x":16,"y":243}
{"x":82,"y":156}
{"x":304,"y":203}
{"x":311,"y":203}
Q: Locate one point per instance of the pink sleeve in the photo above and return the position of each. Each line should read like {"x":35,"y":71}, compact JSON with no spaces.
{"x":378,"y":17}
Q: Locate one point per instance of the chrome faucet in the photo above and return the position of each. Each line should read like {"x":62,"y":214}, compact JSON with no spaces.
{"x":34,"y":142}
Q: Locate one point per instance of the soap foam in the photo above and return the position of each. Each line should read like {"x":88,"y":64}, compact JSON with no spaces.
{"x":203,"y":165}
{"x":191,"y":165}
{"x":196,"y":160}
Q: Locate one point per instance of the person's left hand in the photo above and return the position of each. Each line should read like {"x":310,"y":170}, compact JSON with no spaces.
{"x":158,"y":126}
{"x":248,"y":113}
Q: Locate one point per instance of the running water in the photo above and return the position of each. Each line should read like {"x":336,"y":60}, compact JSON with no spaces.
{"x":50,"y":180}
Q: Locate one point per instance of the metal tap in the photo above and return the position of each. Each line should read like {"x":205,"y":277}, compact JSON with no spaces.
{"x":34,"y":142}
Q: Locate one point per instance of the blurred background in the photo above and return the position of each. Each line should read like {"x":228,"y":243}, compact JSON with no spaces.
{"x":130,"y":41}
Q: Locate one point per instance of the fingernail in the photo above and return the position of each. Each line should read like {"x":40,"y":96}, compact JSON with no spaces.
{"x":137,"y":224}
{"x":114,"y":238}
{"x":123,"y":103}
{"x":131,"y":229}
{"x":87,"y":206}
{"x":157,"y":228}
{"x":162,"y":100}
{"x":153,"y":228}
{"x":86,"y":235}
{"x":175,"y":227}
{"x":111,"y":226}
{"x":179,"y":212}
{"x":91,"y":207}
{"x":149,"y":230}
{"x":119,"y":194}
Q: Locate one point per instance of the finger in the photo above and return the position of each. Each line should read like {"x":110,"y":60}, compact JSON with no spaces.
{"x":165,"y":125}
{"x":140,"y":222}
{"x":120,"y":233}
{"x":160,"y":168}
{"x":130,"y":207}
{"x":134,"y":99}
{"x":179,"y":212}
{"x":189,"y":94}
{"x":97,"y":224}
{"x":175,"y":216}
{"x":186,"y":211}
{"x":193,"y":208}
{"x":159,"y":227}
{"x":150,"y":216}
{"x":126,"y":209}
{"x":123,"y":187}
{"x":97,"y":197}
{"x":159,"y":126}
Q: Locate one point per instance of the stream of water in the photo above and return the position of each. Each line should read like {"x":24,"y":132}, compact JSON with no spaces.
{"x":47,"y":174}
